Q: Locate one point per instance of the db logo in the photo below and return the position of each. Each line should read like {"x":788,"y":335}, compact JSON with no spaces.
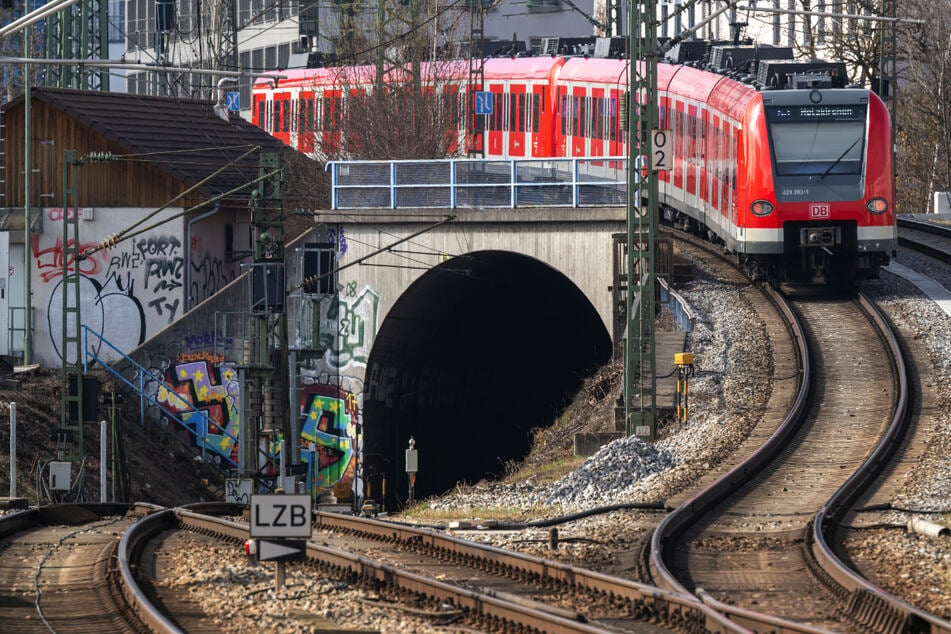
{"x":819,"y":210}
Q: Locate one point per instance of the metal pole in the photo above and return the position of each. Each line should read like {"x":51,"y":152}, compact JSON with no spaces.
{"x":13,"y":450}
{"x":102,"y":461}
{"x":27,"y":185}
{"x":242,"y":425}
{"x":280,"y":574}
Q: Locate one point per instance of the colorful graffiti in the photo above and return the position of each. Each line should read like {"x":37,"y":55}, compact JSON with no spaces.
{"x":329,"y":417}
{"x":206,"y":387}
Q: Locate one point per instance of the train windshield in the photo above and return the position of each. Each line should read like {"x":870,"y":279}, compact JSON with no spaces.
{"x":817,"y":140}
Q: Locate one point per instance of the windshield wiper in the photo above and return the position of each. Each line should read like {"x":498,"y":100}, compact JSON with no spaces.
{"x":841,"y":156}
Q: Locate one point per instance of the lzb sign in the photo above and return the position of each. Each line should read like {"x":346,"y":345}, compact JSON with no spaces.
{"x":280,"y":516}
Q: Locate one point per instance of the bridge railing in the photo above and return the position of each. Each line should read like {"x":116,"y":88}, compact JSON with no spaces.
{"x":479,"y":183}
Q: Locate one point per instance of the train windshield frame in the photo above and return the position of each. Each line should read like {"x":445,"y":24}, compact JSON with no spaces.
{"x":817,"y":140}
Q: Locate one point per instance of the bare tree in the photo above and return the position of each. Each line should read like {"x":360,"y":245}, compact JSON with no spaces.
{"x":413,"y":113}
{"x":925,"y":113}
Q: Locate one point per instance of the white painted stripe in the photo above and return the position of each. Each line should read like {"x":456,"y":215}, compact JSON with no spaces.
{"x":878,"y":233}
{"x":764,"y":235}
{"x":930,"y":287}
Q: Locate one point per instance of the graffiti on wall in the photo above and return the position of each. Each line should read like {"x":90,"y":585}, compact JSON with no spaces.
{"x":137,"y":283}
{"x":348,"y":325}
{"x":124,"y":328}
{"x":329,"y":434}
{"x":212,"y":388}
{"x":332,"y":386}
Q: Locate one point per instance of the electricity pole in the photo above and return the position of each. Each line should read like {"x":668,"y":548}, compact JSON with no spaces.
{"x":640,"y":377}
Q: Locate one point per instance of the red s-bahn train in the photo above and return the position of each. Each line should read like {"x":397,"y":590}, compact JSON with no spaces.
{"x":792,"y":172}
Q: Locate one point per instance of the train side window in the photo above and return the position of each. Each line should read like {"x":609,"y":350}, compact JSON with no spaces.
{"x":521,"y":112}
{"x":563,"y":113}
{"x":262,"y":114}
{"x":612,"y":118}
{"x":601,"y":104}
{"x":536,"y":105}
{"x":582,"y":117}
{"x":286,"y":115}
{"x":277,"y":116}
{"x":499,"y":111}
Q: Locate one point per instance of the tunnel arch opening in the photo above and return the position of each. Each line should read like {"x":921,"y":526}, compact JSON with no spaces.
{"x":477,"y":354}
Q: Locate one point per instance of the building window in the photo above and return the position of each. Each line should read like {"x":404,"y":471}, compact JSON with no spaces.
{"x":116,"y":21}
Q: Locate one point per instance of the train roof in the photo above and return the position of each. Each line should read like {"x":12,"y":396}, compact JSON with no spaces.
{"x":364,"y":74}
{"x":521,"y":67}
{"x":595,"y":69}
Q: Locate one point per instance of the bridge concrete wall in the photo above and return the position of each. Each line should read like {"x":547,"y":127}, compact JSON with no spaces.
{"x":576,"y":242}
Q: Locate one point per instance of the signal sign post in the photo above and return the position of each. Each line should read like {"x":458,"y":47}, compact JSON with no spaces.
{"x":280,"y":517}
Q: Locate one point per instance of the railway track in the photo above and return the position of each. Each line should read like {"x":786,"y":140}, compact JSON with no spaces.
{"x":765,"y":538}
{"x":926,"y":237}
{"x":58,"y":570}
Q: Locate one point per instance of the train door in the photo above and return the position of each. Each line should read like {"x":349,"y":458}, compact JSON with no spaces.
{"x":597,"y":145}
{"x":702,"y":147}
{"x":539,"y":126}
{"x":332,"y":122}
{"x":305,"y":122}
{"x":713,"y":164}
{"x":259,"y":111}
{"x":679,"y":141}
{"x":579,"y":119}
{"x":451,"y":111}
{"x":496,"y":120}
{"x":733,"y":163}
{"x":517,"y":105}
{"x":611,"y":122}
{"x":690,"y":176}
{"x":562,"y":122}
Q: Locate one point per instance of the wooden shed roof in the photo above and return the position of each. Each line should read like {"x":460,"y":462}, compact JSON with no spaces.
{"x":182,"y":137}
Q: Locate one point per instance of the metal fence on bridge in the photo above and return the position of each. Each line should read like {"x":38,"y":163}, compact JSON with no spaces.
{"x":479,"y":183}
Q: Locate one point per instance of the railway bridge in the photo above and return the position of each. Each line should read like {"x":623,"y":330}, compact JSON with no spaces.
{"x":492,"y":295}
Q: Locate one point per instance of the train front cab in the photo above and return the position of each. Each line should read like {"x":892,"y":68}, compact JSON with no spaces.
{"x":824,"y":186}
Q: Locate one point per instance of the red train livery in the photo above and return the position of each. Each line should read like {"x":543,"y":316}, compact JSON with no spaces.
{"x":797,"y":182}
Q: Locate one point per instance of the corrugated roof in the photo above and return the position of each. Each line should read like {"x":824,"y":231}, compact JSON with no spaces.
{"x":182,"y":137}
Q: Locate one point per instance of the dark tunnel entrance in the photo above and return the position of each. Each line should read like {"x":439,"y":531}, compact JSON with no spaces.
{"x":477,"y":353}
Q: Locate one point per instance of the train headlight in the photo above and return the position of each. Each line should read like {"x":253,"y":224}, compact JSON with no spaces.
{"x":761,"y":208}
{"x":877,"y":206}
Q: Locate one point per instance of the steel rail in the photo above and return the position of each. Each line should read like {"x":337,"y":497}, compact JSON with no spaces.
{"x":867,"y":603}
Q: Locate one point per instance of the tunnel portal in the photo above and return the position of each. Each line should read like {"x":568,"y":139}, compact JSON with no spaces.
{"x":475,"y":355}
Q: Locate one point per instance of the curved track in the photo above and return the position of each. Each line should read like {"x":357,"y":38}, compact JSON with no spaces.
{"x":58,"y":570}
{"x":766,"y":537}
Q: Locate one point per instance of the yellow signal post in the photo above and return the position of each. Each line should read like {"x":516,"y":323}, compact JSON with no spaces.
{"x":684,"y":363}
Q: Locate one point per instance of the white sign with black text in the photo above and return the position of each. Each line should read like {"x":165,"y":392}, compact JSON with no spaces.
{"x":280,"y":515}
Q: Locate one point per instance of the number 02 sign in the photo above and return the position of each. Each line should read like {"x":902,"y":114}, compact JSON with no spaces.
{"x":660,"y":150}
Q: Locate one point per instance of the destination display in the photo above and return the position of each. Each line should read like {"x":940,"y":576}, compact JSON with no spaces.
{"x":814,"y":112}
